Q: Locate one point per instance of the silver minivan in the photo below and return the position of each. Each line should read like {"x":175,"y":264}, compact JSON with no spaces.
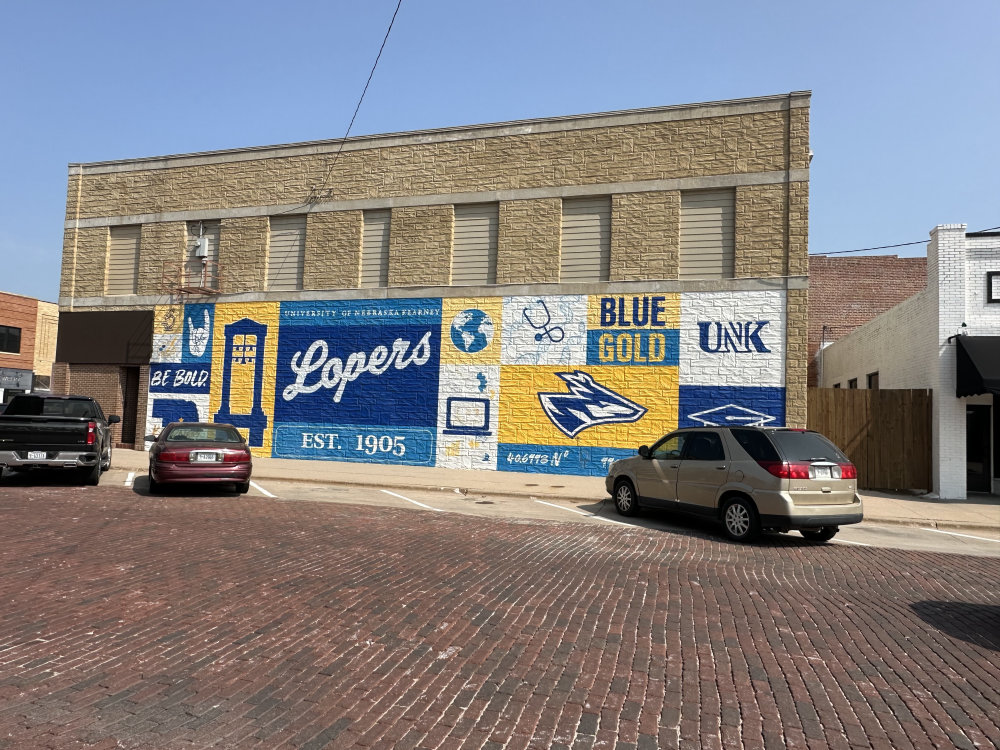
{"x":752,"y":479}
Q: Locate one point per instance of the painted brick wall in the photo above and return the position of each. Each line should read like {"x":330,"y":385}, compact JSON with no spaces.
{"x":844,"y":293}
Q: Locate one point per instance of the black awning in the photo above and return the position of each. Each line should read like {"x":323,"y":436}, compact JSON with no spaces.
{"x":978,"y":365}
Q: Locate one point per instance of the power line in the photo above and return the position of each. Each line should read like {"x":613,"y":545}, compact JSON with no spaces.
{"x":317,"y":193}
{"x":886,"y":247}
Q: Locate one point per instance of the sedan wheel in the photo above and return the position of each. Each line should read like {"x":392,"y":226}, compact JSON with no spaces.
{"x":625,"y":500}
{"x":741,"y":520}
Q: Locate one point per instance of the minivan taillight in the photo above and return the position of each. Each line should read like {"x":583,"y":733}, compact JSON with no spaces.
{"x":91,"y":432}
{"x":848,"y":471}
{"x":786,"y":469}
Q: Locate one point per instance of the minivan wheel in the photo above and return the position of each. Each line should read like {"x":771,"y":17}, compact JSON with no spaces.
{"x":625,"y":500}
{"x":824,"y":534}
{"x":740,"y":519}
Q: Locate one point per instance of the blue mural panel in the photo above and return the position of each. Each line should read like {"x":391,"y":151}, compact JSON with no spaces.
{"x":634,"y":348}
{"x":558,"y":459}
{"x":352,"y":364}
{"x":197,"y":336}
{"x":731,"y":406}
{"x":179,"y":378}
{"x":339,"y":442}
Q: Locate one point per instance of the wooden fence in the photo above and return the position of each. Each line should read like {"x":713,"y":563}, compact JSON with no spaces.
{"x":885,"y":433}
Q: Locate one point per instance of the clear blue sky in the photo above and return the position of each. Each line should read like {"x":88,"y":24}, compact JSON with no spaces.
{"x":905,"y":108}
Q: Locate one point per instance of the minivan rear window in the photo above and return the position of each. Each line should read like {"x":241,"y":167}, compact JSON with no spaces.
{"x":756,"y":444}
{"x":806,"y":446}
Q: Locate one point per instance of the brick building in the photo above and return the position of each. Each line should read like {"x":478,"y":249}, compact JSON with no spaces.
{"x":27,"y":344}
{"x":540,"y":295}
{"x":945,"y":338}
{"x":847,"y":292}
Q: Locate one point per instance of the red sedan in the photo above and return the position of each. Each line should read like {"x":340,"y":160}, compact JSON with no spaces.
{"x":199,"y":452}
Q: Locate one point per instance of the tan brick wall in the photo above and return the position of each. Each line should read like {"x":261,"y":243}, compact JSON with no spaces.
{"x":795,"y":357}
{"x":161,"y":252}
{"x":333,"y":250}
{"x":645,"y":235}
{"x":420,"y":239}
{"x":528,"y":242}
{"x":243,"y":254}
{"x":798,"y":229}
{"x":91,"y":260}
{"x":60,"y":379}
{"x":19,"y":312}
{"x":47,"y":330}
{"x":643,"y":151}
{"x":760,"y":231}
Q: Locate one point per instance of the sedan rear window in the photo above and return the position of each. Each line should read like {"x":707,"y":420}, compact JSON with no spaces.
{"x":807,"y":446}
{"x":200,"y":434}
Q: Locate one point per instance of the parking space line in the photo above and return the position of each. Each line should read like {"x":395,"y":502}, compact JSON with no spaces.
{"x":412,"y":501}
{"x":581,"y":512}
{"x":260,"y":489}
{"x":128,"y":481}
{"x":848,"y":541}
{"x":967,"y":536}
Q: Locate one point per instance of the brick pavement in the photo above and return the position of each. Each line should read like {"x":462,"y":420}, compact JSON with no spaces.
{"x":137,"y":622}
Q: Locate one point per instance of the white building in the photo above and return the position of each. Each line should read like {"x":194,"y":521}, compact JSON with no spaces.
{"x":945,"y":338}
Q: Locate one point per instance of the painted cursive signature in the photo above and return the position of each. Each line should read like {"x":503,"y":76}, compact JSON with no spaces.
{"x":336,"y":373}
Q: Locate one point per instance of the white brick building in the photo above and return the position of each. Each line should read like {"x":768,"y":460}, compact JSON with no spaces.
{"x":916,"y":344}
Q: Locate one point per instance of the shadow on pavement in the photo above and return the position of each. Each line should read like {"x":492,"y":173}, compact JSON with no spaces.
{"x":690,"y":525}
{"x":978,"y":624}
{"x":44,"y":477}
{"x":193,"y":490}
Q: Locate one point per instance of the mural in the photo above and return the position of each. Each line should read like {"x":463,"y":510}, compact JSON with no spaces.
{"x":548,"y":384}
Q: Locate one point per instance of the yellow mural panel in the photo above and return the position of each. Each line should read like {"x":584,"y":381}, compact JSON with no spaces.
{"x":647,"y":310}
{"x":468,"y":338}
{"x":523,"y":419}
{"x":246,"y":400}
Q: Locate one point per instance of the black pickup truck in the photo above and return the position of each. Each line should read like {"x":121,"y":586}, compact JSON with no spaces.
{"x":56,"y":432}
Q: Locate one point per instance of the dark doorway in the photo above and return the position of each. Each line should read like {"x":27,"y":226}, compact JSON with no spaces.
{"x":130,"y":402}
{"x":978,"y":474}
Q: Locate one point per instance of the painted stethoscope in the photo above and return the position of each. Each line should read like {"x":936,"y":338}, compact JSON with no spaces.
{"x":551,"y":332}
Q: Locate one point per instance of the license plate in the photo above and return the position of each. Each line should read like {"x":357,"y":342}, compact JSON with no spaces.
{"x":36,"y":455}
{"x":205,"y":457}
{"x":821,"y":472}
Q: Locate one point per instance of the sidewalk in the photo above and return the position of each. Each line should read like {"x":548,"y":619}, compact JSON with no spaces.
{"x":981,"y":515}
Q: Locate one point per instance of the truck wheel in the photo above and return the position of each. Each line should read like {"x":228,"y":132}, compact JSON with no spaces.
{"x":93,"y":476}
{"x":106,"y":462}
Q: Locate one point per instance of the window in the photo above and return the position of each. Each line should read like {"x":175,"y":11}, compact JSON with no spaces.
{"x":474,"y":253}
{"x":375,"y":248}
{"x":756,"y":444}
{"x":852,"y":383}
{"x":668,"y":448}
{"x":123,"y":259}
{"x":585,"y":251}
{"x":873,"y":380}
{"x":704,"y":446}
{"x":10,"y":339}
{"x":201,"y":263}
{"x":708,"y":234}
{"x":285,"y":252}
{"x":836,"y":385}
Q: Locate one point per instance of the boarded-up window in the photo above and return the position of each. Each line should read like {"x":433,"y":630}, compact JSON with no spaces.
{"x":585,"y":253}
{"x":201,"y":263}
{"x":123,"y":259}
{"x":708,"y":231}
{"x":286,"y":250}
{"x":474,"y":251}
{"x":375,"y":249}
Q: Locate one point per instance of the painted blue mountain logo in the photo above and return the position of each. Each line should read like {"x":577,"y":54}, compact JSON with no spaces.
{"x":587,"y":405}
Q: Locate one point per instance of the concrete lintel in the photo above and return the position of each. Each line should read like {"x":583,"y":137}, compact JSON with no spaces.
{"x":559,"y":191}
{"x":665,"y":286}
{"x":726,"y":108}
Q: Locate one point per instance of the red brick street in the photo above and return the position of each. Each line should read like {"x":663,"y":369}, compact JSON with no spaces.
{"x":140,"y":622}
